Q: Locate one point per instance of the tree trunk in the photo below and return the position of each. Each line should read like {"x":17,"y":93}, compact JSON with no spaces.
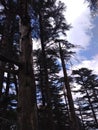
{"x":67,"y":106}
{"x":27,"y":109}
{"x":75,"y":125}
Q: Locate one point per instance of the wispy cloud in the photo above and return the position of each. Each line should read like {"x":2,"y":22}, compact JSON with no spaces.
{"x":79,"y":16}
{"x":90,"y":64}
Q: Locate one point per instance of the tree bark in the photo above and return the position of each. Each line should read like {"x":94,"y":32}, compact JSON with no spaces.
{"x":75,"y":125}
{"x":27,"y":110}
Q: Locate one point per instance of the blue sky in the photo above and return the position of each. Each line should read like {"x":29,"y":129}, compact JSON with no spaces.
{"x":92,"y":49}
{"x":84,"y":32}
{"x":93,"y":46}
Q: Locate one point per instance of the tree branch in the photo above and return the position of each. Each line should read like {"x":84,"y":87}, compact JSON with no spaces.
{"x":6,"y":59}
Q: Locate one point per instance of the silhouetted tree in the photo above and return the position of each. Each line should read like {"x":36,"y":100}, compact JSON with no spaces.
{"x":88,"y":83}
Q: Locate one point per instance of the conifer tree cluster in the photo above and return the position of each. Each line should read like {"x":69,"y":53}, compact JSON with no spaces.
{"x":33,"y":94}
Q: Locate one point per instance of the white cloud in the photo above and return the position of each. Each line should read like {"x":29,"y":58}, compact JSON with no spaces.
{"x":79,"y":16}
{"x":90,"y":64}
{"x":74,"y":9}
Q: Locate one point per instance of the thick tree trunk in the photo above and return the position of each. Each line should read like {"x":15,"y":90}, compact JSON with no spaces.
{"x":75,"y":125}
{"x":27,"y":110}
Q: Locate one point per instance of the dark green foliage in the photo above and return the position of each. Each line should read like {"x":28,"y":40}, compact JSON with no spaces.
{"x":56,"y":98}
{"x":46,"y":23}
{"x":93,"y":4}
{"x":88,"y":102}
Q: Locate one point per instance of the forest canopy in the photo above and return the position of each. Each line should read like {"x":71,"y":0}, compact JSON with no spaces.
{"x":33,"y":94}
